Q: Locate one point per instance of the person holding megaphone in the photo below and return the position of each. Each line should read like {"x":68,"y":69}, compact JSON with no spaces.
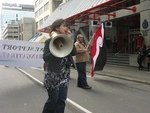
{"x":58,"y":60}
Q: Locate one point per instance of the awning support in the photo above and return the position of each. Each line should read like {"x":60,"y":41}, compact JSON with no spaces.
{"x":133,"y":8}
{"x":102,"y":13}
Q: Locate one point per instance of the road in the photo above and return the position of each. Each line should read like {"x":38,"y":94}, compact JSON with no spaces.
{"x":108,"y":95}
{"x":18,"y":94}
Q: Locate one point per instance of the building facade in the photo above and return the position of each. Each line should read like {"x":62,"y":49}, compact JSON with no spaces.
{"x":27,"y":28}
{"x":13,"y":11}
{"x":44,"y":8}
{"x":22,"y":29}
{"x":123,"y":20}
{"x":11,"y":31}
{"x":13,"y":14}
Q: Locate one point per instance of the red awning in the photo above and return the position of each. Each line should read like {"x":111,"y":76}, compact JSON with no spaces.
{"x":80,"y":11}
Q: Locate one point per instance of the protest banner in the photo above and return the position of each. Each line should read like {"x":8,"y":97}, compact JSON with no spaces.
{"x":18,"y":53}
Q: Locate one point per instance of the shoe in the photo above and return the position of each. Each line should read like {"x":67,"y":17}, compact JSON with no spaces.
{"x":87,"y":87}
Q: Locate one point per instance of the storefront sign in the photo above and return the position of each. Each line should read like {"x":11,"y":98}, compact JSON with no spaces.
{"x":145,"y":25}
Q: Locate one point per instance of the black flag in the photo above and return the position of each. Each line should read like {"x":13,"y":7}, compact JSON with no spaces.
{"x":98,"y":51}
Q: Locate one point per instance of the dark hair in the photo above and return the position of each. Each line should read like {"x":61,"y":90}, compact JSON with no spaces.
{"x":140,"y":34}
{"x":57,"y":23}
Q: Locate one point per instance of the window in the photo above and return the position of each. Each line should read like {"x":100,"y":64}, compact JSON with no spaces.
{"x":46,"y":6}
{"x":46,"y":17}
{"x":36,"y":3}
{"x":56,"y":4}
{"x":40,"y":1}
{"x":41,"y":22}
{"x":15,"y":27}
{"x":41,"y":11}
{"x":36,"y":14}
{"x":36,"y":25}
{"x":10,"y":32}
{"x":9,"y":36}
{"x":15,"y":36}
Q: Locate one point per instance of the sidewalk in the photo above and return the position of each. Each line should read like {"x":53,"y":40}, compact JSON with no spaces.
{"x":124,"y":72}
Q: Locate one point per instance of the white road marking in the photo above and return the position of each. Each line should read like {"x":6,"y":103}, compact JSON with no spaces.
{"x":70,"y":101}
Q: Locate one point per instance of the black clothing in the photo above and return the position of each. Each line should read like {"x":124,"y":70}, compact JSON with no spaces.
{"x":57,"y":72}
{"x":53,"y":61}
{"x":141,"y":57}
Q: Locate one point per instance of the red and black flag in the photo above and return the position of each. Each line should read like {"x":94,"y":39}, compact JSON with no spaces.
{"x":98,"y":51}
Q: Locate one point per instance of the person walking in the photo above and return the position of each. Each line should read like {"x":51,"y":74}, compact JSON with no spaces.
{"x":115,"y":45}
{"x":80,"y":59}
{"x":148,"y":57}
{"x":139,"y":41}
{"x":141,"y":56}
{"x":57,"y":72}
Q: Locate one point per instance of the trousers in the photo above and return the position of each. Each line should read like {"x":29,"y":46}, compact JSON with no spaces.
{"x":56,"y":101}
{"x":81,"y":69}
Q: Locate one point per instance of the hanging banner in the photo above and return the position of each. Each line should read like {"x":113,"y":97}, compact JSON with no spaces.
{"x":18,"y":53}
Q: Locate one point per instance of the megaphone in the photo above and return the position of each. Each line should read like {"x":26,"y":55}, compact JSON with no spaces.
{"x":61,"y":45}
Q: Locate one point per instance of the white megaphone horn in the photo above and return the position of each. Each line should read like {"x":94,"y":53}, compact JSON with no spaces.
{"x":61,"y":45}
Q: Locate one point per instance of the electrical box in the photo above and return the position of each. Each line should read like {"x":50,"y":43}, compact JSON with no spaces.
{"x":108,"y":24}
{"x":95,"y":23}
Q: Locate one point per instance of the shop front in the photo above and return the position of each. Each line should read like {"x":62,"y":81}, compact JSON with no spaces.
{"x":123,"y":20}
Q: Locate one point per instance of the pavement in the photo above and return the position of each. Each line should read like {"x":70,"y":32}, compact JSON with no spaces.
{"x":124,"y":72}
{"x":121,"y":72}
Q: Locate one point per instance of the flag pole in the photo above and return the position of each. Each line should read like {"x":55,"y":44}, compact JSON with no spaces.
{"x":89,"y":45}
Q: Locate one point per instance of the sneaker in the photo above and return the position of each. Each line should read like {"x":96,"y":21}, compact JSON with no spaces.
{"x":87,"y":87}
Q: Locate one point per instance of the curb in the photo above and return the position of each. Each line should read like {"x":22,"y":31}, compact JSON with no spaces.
{"x":122,"y":76}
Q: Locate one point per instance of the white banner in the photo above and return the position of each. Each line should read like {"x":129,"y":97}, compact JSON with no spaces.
{"x":21,"y":53}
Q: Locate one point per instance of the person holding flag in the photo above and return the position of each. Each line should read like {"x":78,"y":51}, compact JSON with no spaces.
{"x":80,"y":59}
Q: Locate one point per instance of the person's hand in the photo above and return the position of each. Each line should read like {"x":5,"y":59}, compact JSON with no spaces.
{"x":86,"y":50}
{"x":69,"y":33}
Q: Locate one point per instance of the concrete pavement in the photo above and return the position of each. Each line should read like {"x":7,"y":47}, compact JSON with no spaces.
{"x":121,"y":72}
{"x":5,"y":70}
{"x":124,"y":72}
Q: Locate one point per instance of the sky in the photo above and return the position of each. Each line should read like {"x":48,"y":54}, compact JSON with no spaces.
{"x":17,"y":1}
